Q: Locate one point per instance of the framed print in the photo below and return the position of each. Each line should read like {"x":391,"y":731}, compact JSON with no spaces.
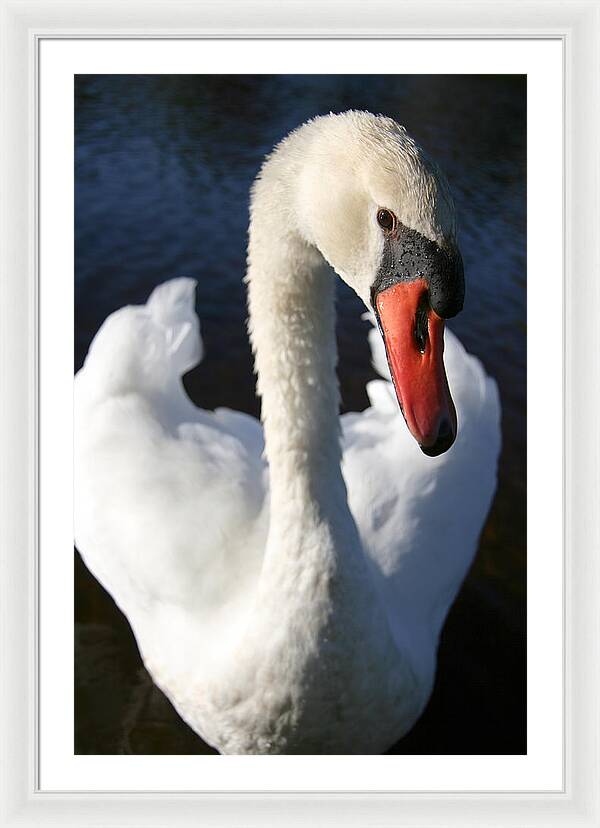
{"x":132,"y":140}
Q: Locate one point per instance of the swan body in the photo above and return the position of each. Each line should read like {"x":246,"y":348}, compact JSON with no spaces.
{"x":287,"y":585}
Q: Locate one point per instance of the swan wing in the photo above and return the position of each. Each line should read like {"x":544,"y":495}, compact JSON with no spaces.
{"x":419,"y":517}
{"x":170,"y":508}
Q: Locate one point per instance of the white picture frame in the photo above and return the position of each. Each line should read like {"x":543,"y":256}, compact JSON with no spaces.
{"x":577,"y":24}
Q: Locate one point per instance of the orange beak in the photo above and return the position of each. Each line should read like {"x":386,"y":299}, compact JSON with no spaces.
{"x":414,"y":342}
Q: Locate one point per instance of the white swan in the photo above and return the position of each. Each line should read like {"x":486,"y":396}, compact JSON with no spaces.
{"x":290,"y":600}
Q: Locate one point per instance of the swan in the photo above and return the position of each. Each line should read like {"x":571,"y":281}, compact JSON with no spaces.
{"x":287,"y":582}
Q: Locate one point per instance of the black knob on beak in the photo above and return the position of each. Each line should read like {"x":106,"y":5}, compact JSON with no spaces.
{"x":447,"y":284}
{"x":408,"y":256}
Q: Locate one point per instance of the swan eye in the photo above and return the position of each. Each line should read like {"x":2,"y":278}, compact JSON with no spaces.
{"x":386,"y":220}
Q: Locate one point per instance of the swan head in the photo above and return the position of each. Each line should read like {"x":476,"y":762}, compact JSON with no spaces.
{"x":380,"y":212}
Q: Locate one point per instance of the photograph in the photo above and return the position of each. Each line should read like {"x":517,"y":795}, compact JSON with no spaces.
{"x":300,"y":414}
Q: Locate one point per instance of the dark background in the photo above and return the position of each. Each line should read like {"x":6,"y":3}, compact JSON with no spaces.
{"x":163,"y":165}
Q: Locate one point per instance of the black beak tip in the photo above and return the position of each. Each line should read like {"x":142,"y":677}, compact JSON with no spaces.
{"x":445,"y":439}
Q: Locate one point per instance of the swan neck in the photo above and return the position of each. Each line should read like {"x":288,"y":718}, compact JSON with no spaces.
{"x":313,"y":539}
{"x":292,"y":327}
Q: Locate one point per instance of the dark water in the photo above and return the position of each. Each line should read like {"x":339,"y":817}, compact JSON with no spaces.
{"x":163,"y":168}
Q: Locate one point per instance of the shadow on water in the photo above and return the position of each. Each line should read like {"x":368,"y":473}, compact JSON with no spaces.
{"x":163,"y":168}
